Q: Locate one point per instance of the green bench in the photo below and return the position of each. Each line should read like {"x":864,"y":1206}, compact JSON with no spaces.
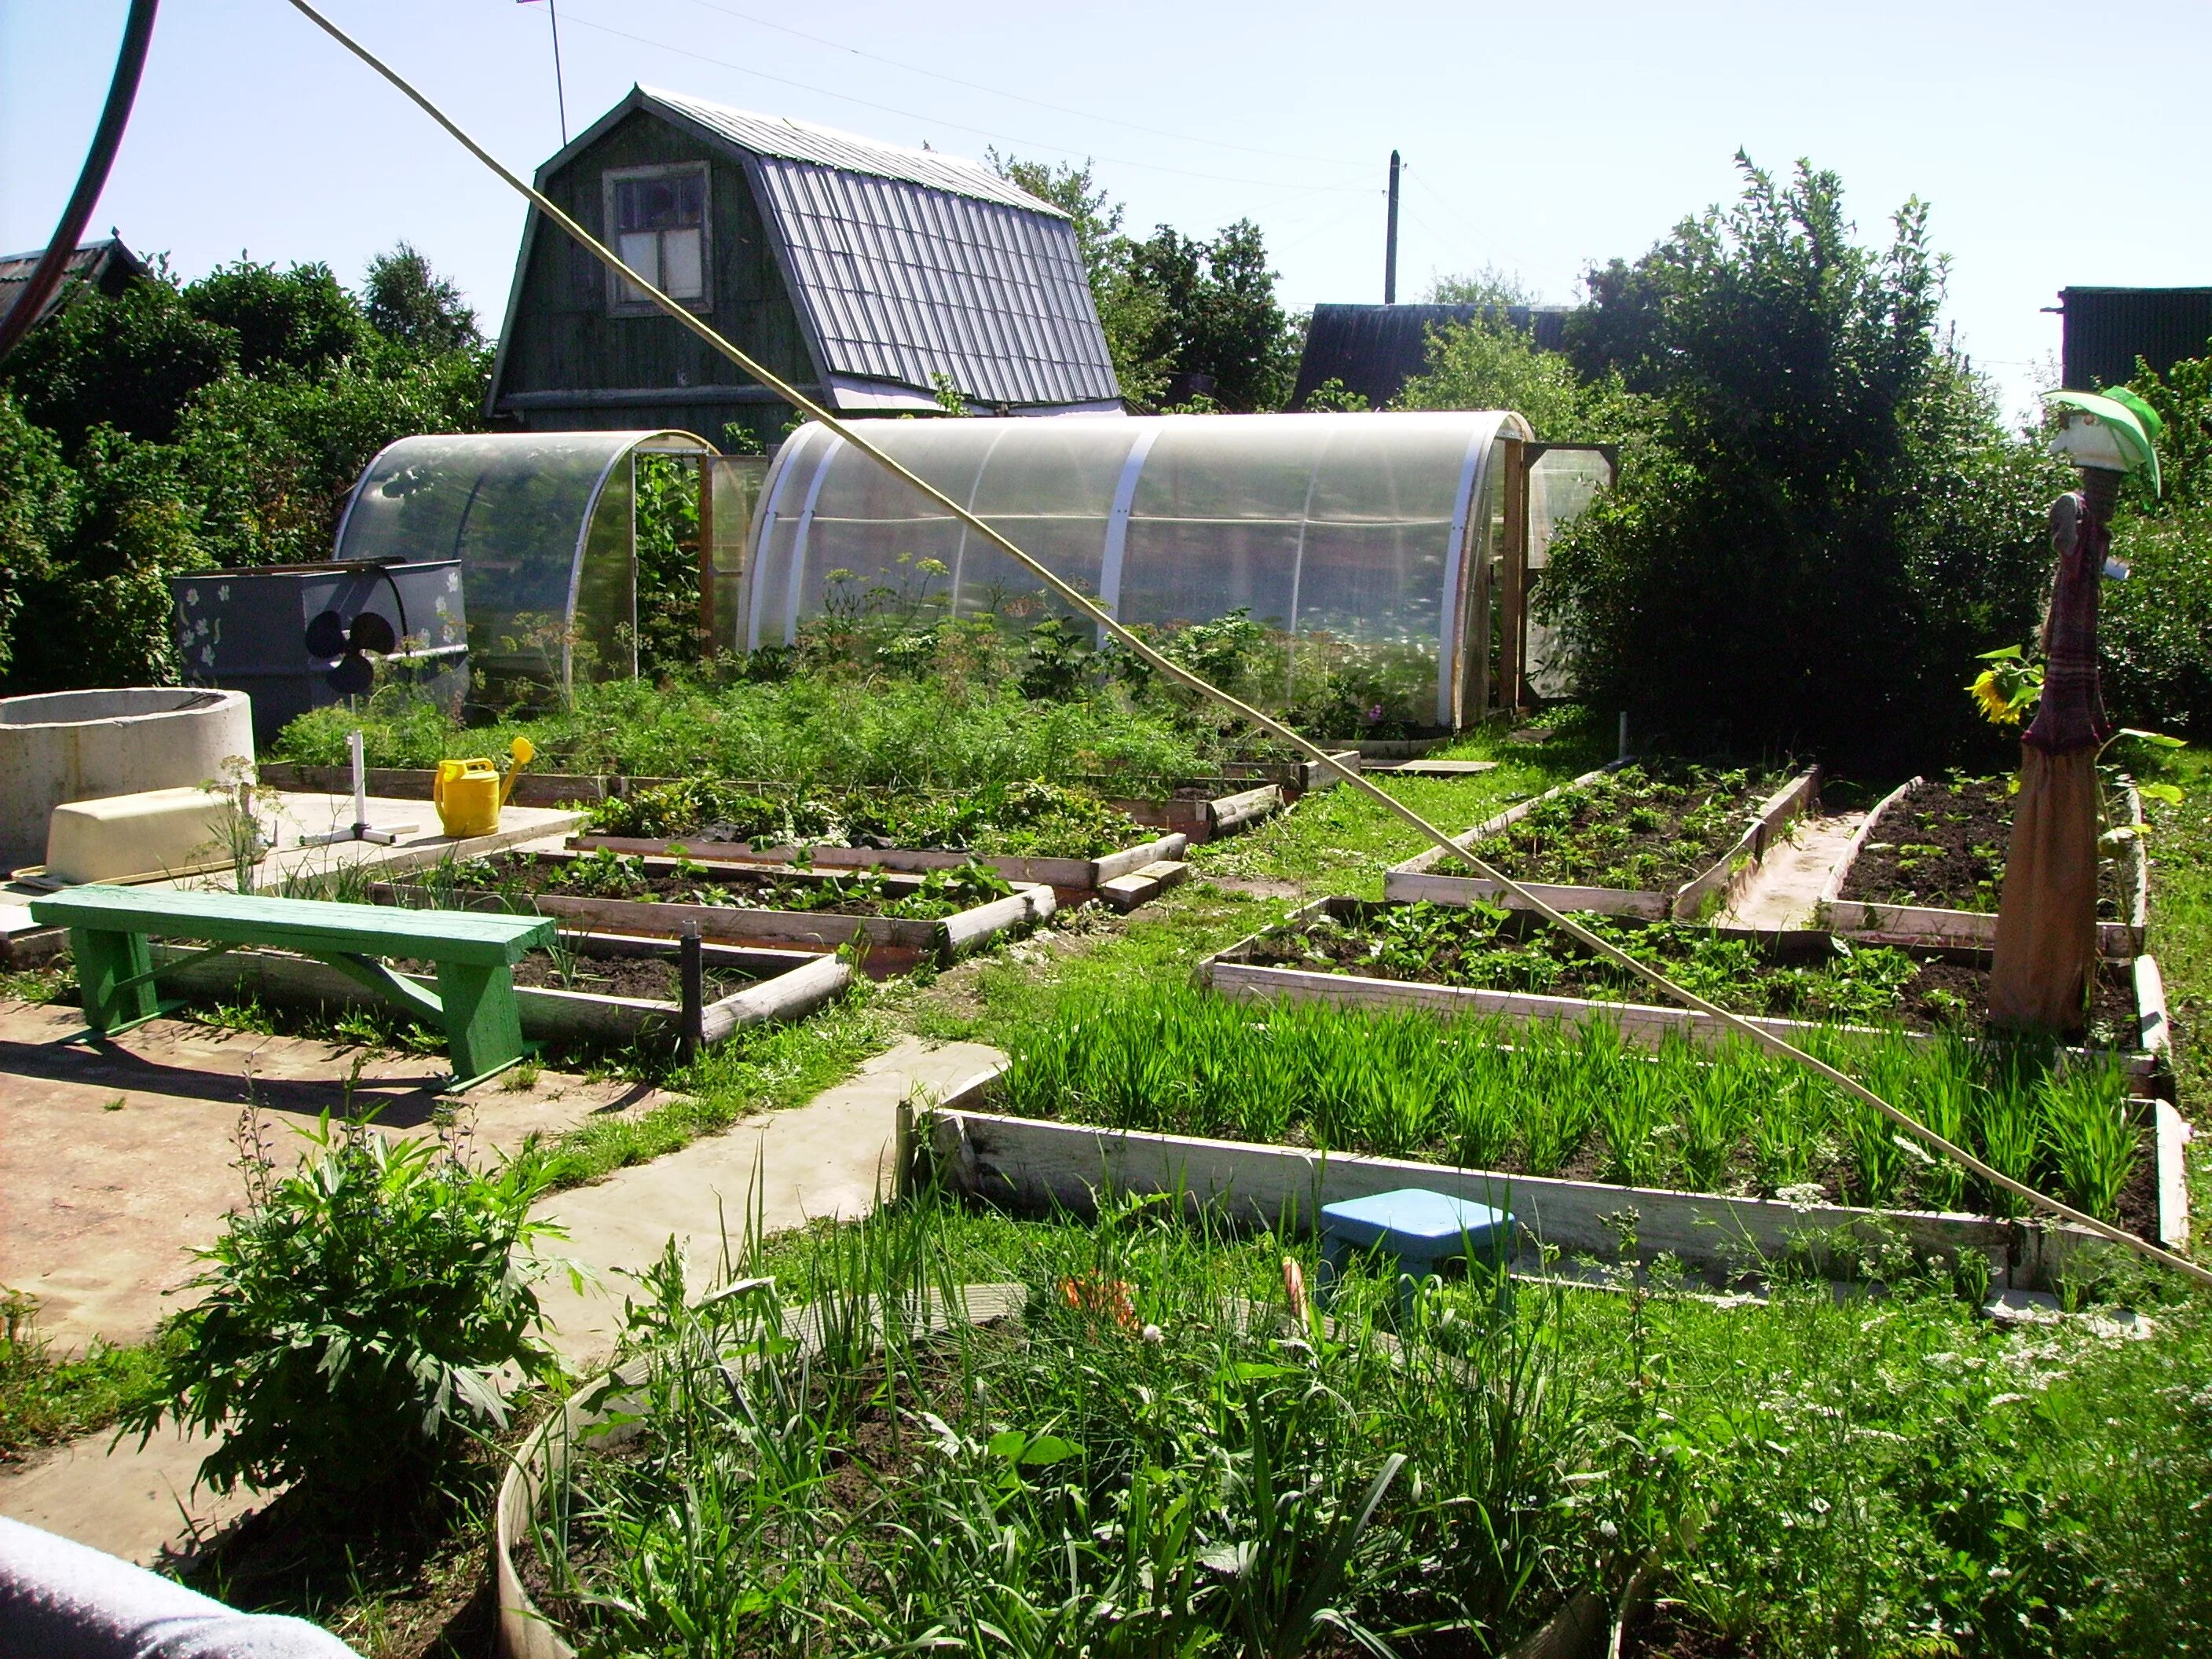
{"x":475,"y":951}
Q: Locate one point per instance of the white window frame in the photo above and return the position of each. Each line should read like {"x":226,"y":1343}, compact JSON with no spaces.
{"x":704,"y":301}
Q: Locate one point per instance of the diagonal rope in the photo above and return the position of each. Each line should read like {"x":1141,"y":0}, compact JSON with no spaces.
{"x":1089,"y":607}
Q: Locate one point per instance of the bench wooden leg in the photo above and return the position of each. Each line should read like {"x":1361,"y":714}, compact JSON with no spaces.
{"x":484,"y":1024}
{"x":107,"y":964}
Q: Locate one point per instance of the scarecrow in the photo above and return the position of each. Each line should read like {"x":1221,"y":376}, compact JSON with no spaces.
{"x":2046,"y":944}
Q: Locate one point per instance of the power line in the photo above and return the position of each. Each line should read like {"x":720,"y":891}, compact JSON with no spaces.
{"x":937,"y":120}
{"x":1022,"y":98}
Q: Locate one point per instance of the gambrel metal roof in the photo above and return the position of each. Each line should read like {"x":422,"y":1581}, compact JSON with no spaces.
{"x":905,"y":265}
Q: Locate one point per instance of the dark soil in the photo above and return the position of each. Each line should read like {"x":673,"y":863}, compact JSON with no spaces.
{"x":1945,"y":989}
{"x":1664,"y":1629}
{"x":1944,"y":848}
{"x":404,"y":1578}
{"x":650,"y":979}
{"x":1630,"y":830}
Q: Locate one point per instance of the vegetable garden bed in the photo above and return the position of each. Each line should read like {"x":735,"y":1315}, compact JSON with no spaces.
{"x":1080,"y":848}
{"x":1928,"y":867}
{"x":1355,"y":953}
{"x":1575,"y":1115}
{"x":902,"y":920}
{"x":1625,"y":840}
{"x":1142,"y":1451}
{"x":598,"y":988}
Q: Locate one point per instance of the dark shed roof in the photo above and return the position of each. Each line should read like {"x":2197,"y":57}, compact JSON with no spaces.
{"x":2106,"y":329}
{"x":905,"y":265}
{"x":1376,"y":350}
{"x":106,"y":265}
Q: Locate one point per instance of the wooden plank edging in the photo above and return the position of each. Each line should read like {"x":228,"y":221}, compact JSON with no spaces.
{"x":1036,"y":1164}
{"x":547,"y":1012}
{"x":1075,"y":874}
{"x":1723,"y":881}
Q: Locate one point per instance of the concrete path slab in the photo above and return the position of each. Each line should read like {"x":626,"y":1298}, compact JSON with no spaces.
{"x":143,"y":1505}
{"x":829,"y":1157}
{"x":115,"y":1161}
{"x":1784,"y":892}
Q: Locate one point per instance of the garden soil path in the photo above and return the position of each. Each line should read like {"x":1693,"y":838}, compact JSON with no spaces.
{"x":829,"y":1157}
{"x":116,"y":1161}
{"x":1784,"y":892}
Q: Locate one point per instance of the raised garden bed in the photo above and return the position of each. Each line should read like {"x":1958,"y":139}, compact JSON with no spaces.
{"x":1243,"y":793}
{"x":1041,"y":1168}
{"x":1580,"y":1103}
{"x":1353,"y":953}
{"x":1928,"y":867}
{"x":896,"y":920}
{"x":598,"y":988}
{"x":1099,"y":851}
{"x":1623,"y":841}
{"x":1133,"y":1445}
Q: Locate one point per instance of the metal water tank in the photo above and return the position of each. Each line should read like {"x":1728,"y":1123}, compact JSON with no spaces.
{"x":299,"y":637}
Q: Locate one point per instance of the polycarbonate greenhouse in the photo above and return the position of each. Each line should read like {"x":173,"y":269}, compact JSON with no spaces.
{"x":1368,"y":545}
{"x":545,"y":526}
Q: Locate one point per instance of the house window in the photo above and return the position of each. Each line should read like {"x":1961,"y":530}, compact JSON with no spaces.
{"x":660,"y":219}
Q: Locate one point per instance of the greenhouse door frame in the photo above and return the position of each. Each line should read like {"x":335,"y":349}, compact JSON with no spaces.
{"x":1511,"y":681}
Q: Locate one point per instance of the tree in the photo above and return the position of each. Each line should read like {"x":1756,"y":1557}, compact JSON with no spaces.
{"x":300,"y":320}
{"x":129,"y":361}
{"x":1173,"y":304}
{"x":1831,"y":521}
{"x":174,"y":426}
{"x":1487,"y":363}
{"x":407,"y":302}
{"x":1221,"y":318}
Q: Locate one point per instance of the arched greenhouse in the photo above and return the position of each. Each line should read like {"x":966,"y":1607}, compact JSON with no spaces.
{"x":1380,"y":545}
{"x":545,"y":526}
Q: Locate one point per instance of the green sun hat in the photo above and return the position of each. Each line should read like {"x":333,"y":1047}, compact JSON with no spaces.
{"x":2134,"y":424}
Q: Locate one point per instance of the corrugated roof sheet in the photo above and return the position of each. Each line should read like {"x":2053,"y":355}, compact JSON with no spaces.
{"x":799,"y":140}
{"x":1376,"y":350}
{"x":910,"y":264}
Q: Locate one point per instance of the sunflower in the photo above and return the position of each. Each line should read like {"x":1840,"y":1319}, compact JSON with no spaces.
{"x":1997,"y":707}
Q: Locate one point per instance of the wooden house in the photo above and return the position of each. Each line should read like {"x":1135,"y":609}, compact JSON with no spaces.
{"x":869,"y":275}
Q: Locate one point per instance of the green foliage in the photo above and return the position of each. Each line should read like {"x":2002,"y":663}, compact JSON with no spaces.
{"x":1163,"y":1453}
{"x":177,"y":425}
{"x":1025,"y":817}
{"x":356,"y":1316}
{"x":1333,"y":397}
{"x":2156,"y":627}
{"x":131,"y":361}
{"x":406,"y":301}
{"x":1488,"y":363}
{"x":1833,"y":518}
{"x":667,"y":518}
{"x":1541,"y":1099}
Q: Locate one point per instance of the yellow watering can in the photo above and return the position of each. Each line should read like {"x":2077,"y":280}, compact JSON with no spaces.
{"x":468,"y":794}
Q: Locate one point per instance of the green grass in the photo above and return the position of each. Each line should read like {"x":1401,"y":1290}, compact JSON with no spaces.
{"x":2180,"y":848}
{"x":46,"y":1400}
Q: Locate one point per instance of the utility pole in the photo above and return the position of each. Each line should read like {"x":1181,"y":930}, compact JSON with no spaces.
{"x":1390,"y":242}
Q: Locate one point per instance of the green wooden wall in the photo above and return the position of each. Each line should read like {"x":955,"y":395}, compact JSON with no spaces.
{"x":564,"y":338}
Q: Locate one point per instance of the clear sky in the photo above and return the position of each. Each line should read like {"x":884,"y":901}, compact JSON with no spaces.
{"x":2054,"y":150}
